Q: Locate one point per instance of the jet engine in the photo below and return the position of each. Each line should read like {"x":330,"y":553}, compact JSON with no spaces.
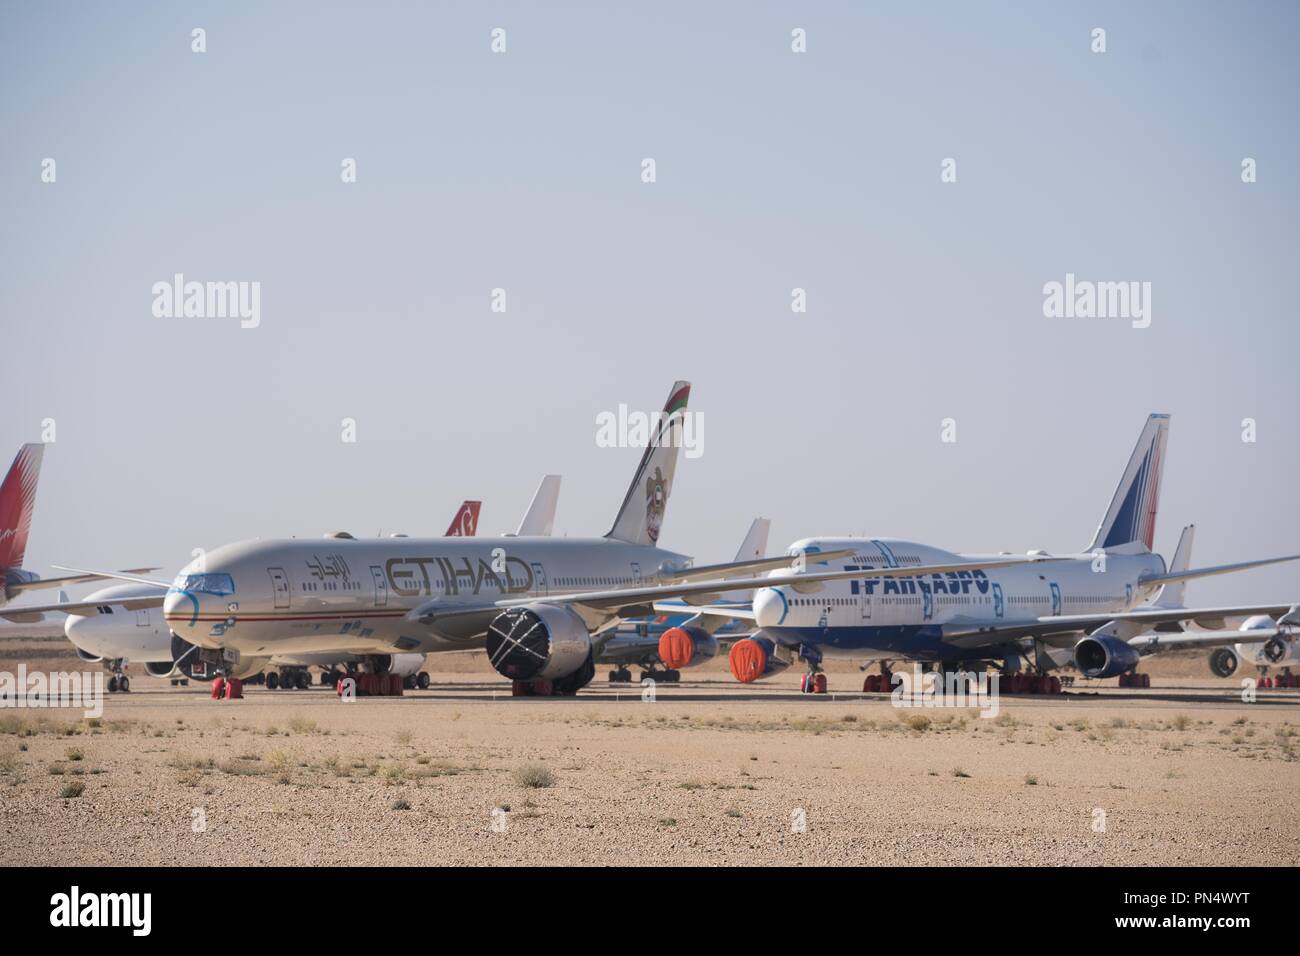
{"x":540,"y":642}
{"x":1223,"y":661}
{"x":1100,"y":657}
{"x":753,"y":658}
{"x":681,"y":647}
{"x":88,"y":657}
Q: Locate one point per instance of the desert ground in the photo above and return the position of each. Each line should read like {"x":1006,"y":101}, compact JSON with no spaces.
{"x":709,"y":772}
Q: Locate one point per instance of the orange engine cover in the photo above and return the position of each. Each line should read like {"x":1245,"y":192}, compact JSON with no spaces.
{"x":676,"y":648}
{"x":748,"y":660}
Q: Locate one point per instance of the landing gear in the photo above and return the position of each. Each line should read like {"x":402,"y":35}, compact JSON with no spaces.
{"x":422,"y":680}
{"x":566,"y":686}
{"x":620,"y":675}
{"x":882,"y":683}
{"x":1134,"y":679}
{"x":813,"y":682}
{"x":663,"y":677}
{"x":119,"y":684}
{"x":289,"y":678}
{"x":1028,"y":683}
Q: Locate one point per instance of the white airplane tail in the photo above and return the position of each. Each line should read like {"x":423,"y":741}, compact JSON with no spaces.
{"x":754,"y":547}
{"x":642,"y":513}
{"x":1131,"y":517}
{"x":539,"y":519}
{"x":1172,"y":594}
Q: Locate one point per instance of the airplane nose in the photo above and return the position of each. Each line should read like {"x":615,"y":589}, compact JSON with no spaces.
{"x":769,"y":607}
{"x":181,"y":611}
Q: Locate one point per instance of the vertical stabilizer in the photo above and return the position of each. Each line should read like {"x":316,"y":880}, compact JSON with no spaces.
{"x":539,"y":519}
{"x":17,"y":498}
{"x":1172,"y":595}
{"x":1132,"y":513}
{"x":642,"y":513}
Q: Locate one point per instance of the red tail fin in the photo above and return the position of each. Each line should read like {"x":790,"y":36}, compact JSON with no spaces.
{"x":466,"y":521}
{"x":17,"y":496}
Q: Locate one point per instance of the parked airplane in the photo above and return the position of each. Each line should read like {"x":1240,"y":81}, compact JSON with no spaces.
{"x":544,"y":607}
{"x":1258,"y":640}
{"x":663,"y":646}
{"x":17,"y":500}
{"x":1083,"y":608}
{"x":124,"y":624}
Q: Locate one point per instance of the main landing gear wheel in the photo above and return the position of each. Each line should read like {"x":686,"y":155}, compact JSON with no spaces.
{"x":620,"y":675}
{"x":272,"y":681}
{"x":422,"y":680}
{"x":303,"y":680}
{"x":813,"y":683}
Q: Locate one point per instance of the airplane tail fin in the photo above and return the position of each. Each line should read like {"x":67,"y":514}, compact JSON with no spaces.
{"x":466,"y":521}
{"x":1131,"y":516}
{"x":1171,"y":595}
{"x":642,"y":513}
{"x":754,"y":547}
{"x":539,"y":519}
{"x":17,"y":497}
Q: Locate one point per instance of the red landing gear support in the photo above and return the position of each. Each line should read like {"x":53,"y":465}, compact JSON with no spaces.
{"x":1030,"y":684}
{"x":882,"y":683}
{"x":372,"y":685}
{"x":812,"y":683}
{"x":227,"y":689}
{"x":1134,"y":679}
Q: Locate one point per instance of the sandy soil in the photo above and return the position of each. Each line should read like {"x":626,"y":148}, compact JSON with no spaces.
{"x":709,"y":772}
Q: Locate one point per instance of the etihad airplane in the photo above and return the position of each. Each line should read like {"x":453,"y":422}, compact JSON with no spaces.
{"x":123,"y":624}
{"x":543,"y":607}
{"x":1087,"y":609}
{"x":17,"y":500}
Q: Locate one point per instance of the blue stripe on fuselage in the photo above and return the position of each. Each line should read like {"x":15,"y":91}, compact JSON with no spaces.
{"x":922,"y":643}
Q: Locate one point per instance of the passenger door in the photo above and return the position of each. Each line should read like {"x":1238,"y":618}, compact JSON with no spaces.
{"x":279,"y":586}
{"x":381,"y":585}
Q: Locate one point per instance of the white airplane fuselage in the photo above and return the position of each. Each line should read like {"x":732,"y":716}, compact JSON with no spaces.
{"x":354,"y":595}
{"x":903,"y":617}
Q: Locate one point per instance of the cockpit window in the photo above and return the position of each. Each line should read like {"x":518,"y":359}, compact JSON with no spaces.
{"x":205,"y":583}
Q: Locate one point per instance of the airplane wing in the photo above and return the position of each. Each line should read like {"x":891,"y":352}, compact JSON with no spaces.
{"x":979,"y":636}
{"x":709,"y":572}
{"x":600,"y":608}
{"x":1189,"y":574}
{"x":119,"y":575}
{"x":31,"y":613}
{"x":1191,"y":640}
{"x":732,"y":612}
{"x":20,"y":586}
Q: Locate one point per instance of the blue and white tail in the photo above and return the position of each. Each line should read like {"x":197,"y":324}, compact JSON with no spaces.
{"x":1131,"y":516}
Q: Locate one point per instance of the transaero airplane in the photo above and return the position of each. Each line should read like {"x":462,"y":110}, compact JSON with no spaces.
{"x":1089,"y":609}
{"x":123,"y":624}
{"x":543,"y":607}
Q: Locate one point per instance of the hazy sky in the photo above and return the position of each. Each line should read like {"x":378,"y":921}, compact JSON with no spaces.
{"x":775,"y":170}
